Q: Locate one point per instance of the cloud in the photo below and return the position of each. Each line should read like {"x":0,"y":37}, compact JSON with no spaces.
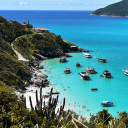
{"x":21,"y":3}
{"x":61,"y":3}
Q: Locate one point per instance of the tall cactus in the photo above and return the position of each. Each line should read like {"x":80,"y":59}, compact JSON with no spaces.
{"x":23,"y":99}
{"x":51,"y":91}
{"x":41,"y":98}
{"x":63,"y":102}
{"x":31,"y":103}
{"x":25,"y":102}
{"x":37,"y":101}
{"x":47,"y":111}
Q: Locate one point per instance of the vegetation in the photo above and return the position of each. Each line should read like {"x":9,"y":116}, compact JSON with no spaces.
{"x":47,"y":44}
{"x":116,"y":9}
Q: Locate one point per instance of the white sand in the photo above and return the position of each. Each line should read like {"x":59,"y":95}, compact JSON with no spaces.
{"x":31,"y":91}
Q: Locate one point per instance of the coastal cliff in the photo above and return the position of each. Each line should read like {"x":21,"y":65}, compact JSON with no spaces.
{"x":115,"y":9}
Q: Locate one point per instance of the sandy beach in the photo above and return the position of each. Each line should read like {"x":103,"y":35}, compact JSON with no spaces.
{"x":31,"y":91}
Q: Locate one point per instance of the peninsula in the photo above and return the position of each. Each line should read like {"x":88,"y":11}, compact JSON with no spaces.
{"x":116,"y":9}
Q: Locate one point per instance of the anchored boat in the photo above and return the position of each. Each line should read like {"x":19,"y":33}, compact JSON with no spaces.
{"x":78,"y":64}
{"x":90,"y":70}
{"x":107,"y":103}
{"x":86,"y":55}
{"x":85,"y":75}
{"x":101,"y":59}
{"x":67,"y":70}
{"x":63,"y":59}
{"x":94,"y":89}
{"x":125,"y":71}
{"x":107,"y":74}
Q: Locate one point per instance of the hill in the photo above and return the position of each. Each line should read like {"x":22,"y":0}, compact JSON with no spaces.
{"x":116,"y":9}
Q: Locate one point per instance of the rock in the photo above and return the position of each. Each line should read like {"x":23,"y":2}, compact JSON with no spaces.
{"x":40,"y":67}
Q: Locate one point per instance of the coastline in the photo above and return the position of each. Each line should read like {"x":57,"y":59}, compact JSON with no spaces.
{"x":63,"y":89}
{"x":107,"y":15}
{"x":30,"y":91}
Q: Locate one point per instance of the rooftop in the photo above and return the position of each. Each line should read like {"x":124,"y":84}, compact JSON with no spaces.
{"x":23,"y":24}
{"x":41,"y":29}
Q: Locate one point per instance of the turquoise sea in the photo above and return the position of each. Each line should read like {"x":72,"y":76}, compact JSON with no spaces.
{"x":107,"y":35}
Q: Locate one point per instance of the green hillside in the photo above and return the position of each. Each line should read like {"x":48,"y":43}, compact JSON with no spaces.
{"x":116,"y":9}
{"x":12,"y":72}
{"x":47,"y":44}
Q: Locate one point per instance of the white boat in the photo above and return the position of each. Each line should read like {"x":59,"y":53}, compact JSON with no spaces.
{"x":107,"y":103}
{"x":86,"y":55}
{"x":125,"y":71}
{"x":90,"y":70}
{"x":85,"y":75}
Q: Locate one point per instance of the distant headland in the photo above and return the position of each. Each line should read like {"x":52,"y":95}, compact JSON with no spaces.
{"x":119,"y":9}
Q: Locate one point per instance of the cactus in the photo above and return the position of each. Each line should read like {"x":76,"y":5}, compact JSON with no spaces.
{"x":49,"y":102}
{"x":57,"y":97}
{"x":23,"y":99}
{"x":37,"y":102}
{"x":36,"y":110}
{"x":40,"y":92}
{"x":63,"y":103}
{"x":25,"y":102}
{"x":31,"y":103}
{"x":51,"y":91}
{"x":48,"y":111}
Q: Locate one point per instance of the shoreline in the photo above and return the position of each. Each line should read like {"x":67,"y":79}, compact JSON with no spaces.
{"x":30,"y":91}
{"x":75,"y":107}
{"x":107,"y":15}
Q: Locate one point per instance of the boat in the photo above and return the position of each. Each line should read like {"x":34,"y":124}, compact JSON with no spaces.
{"x":78,"y":65}
{"x":94,"y":89}
{"x":107,"y":103}
{"x":125,"y":71}
{"x":107,"y":74}
{"x":67,"y":70}
{"x":90,"y":70}
{"x":101,"y":59}
{"x":85,"y":75}
{"x":86,"y":55}
{"x":63,"y":59}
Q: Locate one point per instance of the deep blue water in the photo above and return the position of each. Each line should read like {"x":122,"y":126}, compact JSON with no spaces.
{"x":107,"y":35}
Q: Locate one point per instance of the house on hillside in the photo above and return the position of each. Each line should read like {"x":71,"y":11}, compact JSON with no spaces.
{"x":41,"y":30}
{"x":24,"y":25}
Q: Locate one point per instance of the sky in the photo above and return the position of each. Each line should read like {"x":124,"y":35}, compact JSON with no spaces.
{"x":54,"y":4}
